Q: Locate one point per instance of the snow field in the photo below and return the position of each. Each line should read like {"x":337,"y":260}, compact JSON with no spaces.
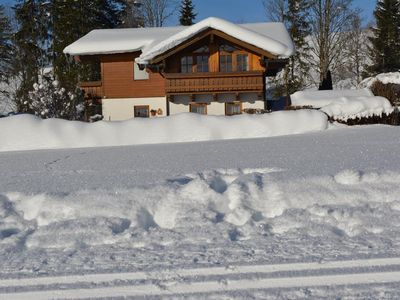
{"x":25,"y":132}
{"x":219,"y":205}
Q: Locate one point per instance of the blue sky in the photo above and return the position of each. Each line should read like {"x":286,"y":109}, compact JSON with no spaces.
{"x":246,"y":10}
{"x":253,"y":11}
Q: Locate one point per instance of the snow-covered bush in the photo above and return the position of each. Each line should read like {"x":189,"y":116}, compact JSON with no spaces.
{"x":390,"y":91}
{"x":352,"y":107}
{"x":49,"y":99}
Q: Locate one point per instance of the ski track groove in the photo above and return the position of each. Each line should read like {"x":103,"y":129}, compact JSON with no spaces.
{"x":167,"y":287}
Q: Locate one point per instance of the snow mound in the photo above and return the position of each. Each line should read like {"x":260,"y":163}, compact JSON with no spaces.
{"x":26,"y":132}
{"x":344,"y":104}
{"x":318,"y":99}
{"x":225,"y":205}
{"x":385,"y":78}
{"x":348,"y":177}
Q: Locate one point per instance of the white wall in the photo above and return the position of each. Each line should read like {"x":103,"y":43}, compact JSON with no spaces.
{"x":181,"y":103}
{"x":123,"y":109}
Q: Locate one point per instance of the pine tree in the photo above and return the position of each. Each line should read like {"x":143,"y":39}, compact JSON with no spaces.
{"x":45,"y":28}
{"x":187,"y":13}
{"x":385,"y":50}
{"x":30,"y":44}
{"x":70,"y":21}
{"x":295,"y":74}
{"x":297,"y":69}
{"x":5,"y":46}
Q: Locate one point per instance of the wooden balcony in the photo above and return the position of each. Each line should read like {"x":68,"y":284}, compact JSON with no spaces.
{"x":93,"y":89}
{"x":205,"y":83}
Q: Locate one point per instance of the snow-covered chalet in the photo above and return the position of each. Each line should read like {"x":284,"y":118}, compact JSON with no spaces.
{"x":213,"y":67}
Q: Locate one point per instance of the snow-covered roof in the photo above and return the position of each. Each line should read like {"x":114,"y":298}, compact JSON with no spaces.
{"x":271,"y":37}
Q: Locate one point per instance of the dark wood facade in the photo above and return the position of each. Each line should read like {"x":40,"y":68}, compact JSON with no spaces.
{"x":209,"y":63}
{"x":117,"y":79}
{"x":214,"y":83}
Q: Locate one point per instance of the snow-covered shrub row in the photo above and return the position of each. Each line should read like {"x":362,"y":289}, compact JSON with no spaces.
{"x":26,"y":132}
{"x":344,"y":105}
{"x":385,"y":78}
{"x":218,"y":206}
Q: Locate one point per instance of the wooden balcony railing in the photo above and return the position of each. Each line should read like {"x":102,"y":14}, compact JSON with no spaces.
{"x":201,"y":83}
{"x":93,"y":89}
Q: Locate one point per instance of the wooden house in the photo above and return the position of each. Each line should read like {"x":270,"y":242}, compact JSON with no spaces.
{"x":213,"y":67}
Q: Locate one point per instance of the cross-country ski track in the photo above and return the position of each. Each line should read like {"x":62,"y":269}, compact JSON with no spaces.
{"x":216,"y":279}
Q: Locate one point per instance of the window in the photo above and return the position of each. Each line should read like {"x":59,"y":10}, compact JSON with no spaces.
{"x":203,"y":49}
{"x":233,"y":59}
{"x":242,"y":62}
{"x":198,"y":108}
{"x":139,"y":74}
{"x":225,"y":63}
{"x":142,"y":111}
{"x":227,"y":48}
{"x":233,"y":108}
{"x":202,"y":63}
{"x":187,"y":64}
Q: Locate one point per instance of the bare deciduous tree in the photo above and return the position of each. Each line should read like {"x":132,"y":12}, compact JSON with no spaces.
{"x":156,"y":12}
{"x":275,"y":9}
{"x":356,"y":50}
{"x":132,"y":16}
{"x":329,"y":20}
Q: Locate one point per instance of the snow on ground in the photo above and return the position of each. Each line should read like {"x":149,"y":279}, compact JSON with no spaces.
{"x":26,"y":132}
{"x":325,"y":197}
{"x":344,"y":104}
{"x":202,"y":208}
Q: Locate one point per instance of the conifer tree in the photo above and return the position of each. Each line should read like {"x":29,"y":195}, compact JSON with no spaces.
{"x":385,"y":50}
{"x":5,"y":46}
{"x":294,"y":14}
{"x":70,"y":21}
{"x":30,"y":44}
{"x":297,"y":69}
{"x":187,"y":13}
{"x":45,"y":28}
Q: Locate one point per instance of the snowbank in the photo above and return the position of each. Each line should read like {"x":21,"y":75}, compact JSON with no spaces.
{"x":318,"y":99}
{"x":344,"y":104}
{"x":25,"y":132}
{"x":385,"y":78}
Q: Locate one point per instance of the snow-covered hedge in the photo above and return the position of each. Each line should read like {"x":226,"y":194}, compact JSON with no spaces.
{"x":385,"y":78}
{"x":343,"y":105}
{"x":26,"y":132}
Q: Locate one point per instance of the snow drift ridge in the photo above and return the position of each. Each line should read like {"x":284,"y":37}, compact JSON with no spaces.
{"x":26,"y":132}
